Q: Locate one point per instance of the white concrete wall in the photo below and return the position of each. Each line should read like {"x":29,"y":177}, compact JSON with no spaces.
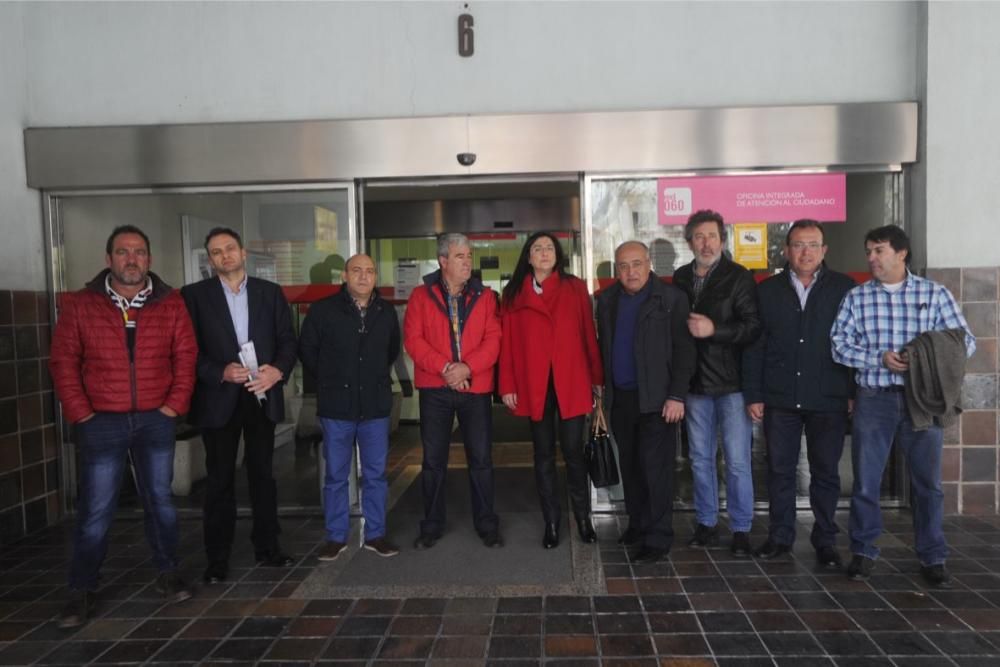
{"x":174,"y":62}
{"x":22,"y":264}
{"x":170,"y":62}
{"x":963,"y":139}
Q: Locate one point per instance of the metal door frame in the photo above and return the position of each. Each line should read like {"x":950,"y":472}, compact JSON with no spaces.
{"x":53,"y":227}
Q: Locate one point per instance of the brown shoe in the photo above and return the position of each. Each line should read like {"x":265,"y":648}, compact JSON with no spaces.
{"x":330,"y":551}
{"x":79,"y":604}
{"x":382,"y":547}
{"x":171,"y":586}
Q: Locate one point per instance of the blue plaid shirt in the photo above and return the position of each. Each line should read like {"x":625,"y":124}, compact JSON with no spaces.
{"x":873,"y":321}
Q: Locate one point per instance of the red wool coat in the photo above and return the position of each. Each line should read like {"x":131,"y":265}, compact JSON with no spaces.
{"x":562,"y":338}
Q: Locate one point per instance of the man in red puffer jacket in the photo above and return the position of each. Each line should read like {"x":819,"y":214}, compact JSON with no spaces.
{"x":123,"y":366}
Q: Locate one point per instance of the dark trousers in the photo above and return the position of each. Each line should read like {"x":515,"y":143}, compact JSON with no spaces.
{"x":646,"y":449}
{"x":438,"y":408}
{"x":543,"y":436}
{"x":824,"y":445}
{"x":103,"y":444}
{"x":221,"y":447}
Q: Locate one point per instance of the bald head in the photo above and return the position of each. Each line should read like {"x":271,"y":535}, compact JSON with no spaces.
{"x":632,"y":265}
{"x":360,"y":277}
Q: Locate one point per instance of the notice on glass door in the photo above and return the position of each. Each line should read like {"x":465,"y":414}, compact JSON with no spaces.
{"x":407,"y":277}
{"x":750,"y":245}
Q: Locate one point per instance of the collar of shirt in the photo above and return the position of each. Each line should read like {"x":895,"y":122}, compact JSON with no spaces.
{"x":135,"y":302}
{"x":907,"y":281}
{"x":239,"y":290}
{"x":801,"y":290}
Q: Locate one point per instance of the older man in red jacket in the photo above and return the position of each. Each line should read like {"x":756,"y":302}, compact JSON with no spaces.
{"x":452,"y":333}
{"x":123,"y":366}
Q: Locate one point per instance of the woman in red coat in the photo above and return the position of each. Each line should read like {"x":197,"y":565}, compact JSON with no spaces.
{"x":549,"y":365}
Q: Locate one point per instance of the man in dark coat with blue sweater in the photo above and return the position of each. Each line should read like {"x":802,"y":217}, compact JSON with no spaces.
{"x":349,"y":342}
{"x":649,"y":358}
{"x":791,"y":382}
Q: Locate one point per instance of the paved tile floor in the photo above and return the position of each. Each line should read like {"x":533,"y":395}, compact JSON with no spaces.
{"x":700,"y":608}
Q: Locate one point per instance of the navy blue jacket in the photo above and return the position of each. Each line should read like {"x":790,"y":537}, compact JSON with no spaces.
{"x":350,"y":359}
{"x":791,"y":365}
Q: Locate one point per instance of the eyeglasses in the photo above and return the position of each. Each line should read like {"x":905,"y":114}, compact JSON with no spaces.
{"x":801,"y":245}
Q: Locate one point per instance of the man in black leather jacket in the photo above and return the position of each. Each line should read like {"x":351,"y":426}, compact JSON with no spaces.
{"x":723,"y":321}
{"x":791,"y":383}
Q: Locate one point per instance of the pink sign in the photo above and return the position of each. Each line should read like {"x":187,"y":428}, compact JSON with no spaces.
{"x":764,"y":198}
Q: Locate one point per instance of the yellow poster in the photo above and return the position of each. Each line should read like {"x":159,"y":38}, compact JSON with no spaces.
{"x":750,"y":245}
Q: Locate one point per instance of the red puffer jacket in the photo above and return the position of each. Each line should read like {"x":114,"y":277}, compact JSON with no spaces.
{"x":427,"y":334}
{"x":561,"y":337}
{"x":90,"y":362}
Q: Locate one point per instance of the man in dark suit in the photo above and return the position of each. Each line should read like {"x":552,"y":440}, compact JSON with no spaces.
{"x":228,"y":311}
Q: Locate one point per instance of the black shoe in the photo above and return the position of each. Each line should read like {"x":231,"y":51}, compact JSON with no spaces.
{"x":586,"y":529}
{"x":648,"y":555}
{"x":828,"y":557}
{"x":632,"y":535}
{"x":216,"y":572}
{"x":492,"y":539}
{"x":551,"y":538}
{"x":770,"y":550}
{"x":171,"y":586}
{"x":77,"y":610}
{"x":740,"y":546}
{"x":936,"y":576}
{"x":860,"y":568}
{"x":382,"y":547}
{"x":276,"y":558}
{"x":424,"y":541}
{"x":704,"y":536}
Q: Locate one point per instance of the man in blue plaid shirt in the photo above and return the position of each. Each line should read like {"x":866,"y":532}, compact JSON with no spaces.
{"x":875,"y":321}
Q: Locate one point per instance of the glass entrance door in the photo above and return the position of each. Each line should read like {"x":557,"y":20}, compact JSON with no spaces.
{"x":296,"y":236}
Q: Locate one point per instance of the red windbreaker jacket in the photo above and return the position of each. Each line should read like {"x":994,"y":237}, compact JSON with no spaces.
{"x":427,"y":334}
{"x":90,"y":365}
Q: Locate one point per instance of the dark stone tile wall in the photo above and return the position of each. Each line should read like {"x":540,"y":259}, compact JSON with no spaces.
{"x":30,"y":484}
{"x":971,"y":465}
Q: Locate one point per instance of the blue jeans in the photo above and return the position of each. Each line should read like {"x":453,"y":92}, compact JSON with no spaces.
{"x":701,"y":415}
{"x":102,"y":444}
{"x":372,"y":436}
{"x":879,"y":418}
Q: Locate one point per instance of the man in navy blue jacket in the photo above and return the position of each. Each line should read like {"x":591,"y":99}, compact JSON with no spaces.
{"x":349,"y":342}
{"x":791,"y":382}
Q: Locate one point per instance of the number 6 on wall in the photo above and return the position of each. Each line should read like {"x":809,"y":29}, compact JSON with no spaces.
{"x":466,"y":39}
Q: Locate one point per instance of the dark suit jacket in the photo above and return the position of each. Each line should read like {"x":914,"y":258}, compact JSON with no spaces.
{"x":270,"y":329}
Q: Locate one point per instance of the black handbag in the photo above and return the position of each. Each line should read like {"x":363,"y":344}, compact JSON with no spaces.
{"x":601,"y":463}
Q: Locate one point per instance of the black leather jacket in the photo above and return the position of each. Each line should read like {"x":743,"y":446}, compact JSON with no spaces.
{"x":729,"y":299}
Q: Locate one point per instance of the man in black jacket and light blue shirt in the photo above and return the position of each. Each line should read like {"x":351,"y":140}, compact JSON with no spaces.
{"x":349,"y":342}
{"x":229,"y":310}
{"x":648,"y":361}
{"x":791,"y":383}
